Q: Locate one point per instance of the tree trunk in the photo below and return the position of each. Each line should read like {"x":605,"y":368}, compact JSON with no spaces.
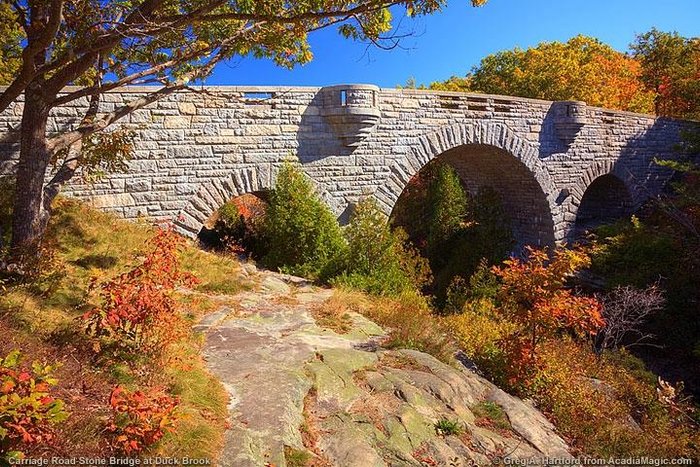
{"x":29,"y":217}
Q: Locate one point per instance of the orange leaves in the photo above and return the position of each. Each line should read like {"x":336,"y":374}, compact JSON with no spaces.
{"x":618,"y":84}
{"x":140,"y":419}
{"x":27,"y":410}
{"x":533,"y":297}
{"x":580,"y":314}
{"x":533,"y":294}
{"x":582,"y":68}
{"x":138,"y":307}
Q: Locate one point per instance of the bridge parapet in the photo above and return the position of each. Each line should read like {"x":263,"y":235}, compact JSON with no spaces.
{"x":569,"y":118}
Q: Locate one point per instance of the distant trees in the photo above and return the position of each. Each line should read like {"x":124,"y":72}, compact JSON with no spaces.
{"x":661,"y":74}
{"x":582,"y":68}
{"x":670,"y":67}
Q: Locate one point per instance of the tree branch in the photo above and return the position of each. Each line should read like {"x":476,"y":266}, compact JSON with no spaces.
{"x":64,"y":141}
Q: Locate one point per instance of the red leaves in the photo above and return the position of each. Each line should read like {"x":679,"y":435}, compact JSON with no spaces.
{"x":27,"y":410}
{"x":140,"y":419}
{"x":24,"y":377}
{"x":533,"y":296}
{"x":7,"y":386}
{"x":533,"y":293}
{"x":138,"y":307}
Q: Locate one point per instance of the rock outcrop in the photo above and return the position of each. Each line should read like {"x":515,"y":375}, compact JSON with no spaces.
{"x":301,"y":391}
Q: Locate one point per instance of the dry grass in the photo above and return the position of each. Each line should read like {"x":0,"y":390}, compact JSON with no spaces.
{"x":42,"y":323}
{"x":333,"y":314}
{"x":404,"y":362}
{"x":375,"y":407}
{"x":407,"y":318}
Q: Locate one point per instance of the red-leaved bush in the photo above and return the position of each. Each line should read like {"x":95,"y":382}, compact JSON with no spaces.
{"x":140,"y":419}
{"x":138,"y":308}
{"x":533,"y":297}
{"x":27,"y":409}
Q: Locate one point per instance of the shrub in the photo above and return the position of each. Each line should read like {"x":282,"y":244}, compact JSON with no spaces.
{"x":140,"y":419}
{"x":27,"y":409}
{"x":412,"y":325}
{"x":240,"y":225}
{"x":457,"y":295}
{"x":533,"y":297}
{"x":304,"y":236}
{"x":479,"y":331}
{"x":406,"y":317}
{"x":380,"y":261}
{"x":609,"y":405}
{"x":138,"y":308}
{"x":483,"y":284}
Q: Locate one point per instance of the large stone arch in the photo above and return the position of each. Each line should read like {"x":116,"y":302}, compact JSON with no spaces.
{"x":214,"y":193}
{"x":488,"y":139}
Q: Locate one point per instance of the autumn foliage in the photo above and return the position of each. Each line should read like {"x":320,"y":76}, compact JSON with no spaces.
{"x":27,"y":408}
{"x":138,"y":308}
{"x":532,"y":296}
{"x":240,"y":225}
{"x":583,"y":68}
{"x":140,"y":419}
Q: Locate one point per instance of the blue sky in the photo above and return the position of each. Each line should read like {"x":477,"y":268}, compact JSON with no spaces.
{"x":451,"y":42}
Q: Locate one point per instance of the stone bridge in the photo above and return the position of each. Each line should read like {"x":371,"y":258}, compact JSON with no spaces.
{"x":557,"y":165}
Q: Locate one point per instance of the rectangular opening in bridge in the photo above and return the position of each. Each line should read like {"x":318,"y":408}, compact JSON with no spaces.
{"x":258,"y":96}
{"x":343,"y":97}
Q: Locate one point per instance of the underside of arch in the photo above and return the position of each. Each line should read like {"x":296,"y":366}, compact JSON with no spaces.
{"x":486,"y":154}
{"x":481,"y":166}
{"x":213,"y":194}
{"x":605,"y":200}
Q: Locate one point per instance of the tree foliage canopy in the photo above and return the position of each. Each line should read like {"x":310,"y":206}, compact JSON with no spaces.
{"x":582,"y":68}
{"x":671,"y":68}
{"x":379,"y":260}
{"x":304,"y":236}
{"x":10,"y":44}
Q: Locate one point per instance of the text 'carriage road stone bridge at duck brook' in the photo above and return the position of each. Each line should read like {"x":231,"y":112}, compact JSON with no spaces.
{"x":556,"y":165}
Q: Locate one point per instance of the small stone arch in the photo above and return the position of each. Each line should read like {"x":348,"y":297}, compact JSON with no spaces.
{"x":493,"y":135}
{"x":214,"y":193}
{"x":611,"y":185}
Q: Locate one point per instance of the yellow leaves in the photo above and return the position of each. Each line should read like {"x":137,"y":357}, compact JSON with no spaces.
{"x":581,"y":69}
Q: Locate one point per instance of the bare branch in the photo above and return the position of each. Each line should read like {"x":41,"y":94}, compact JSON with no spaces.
{"x":626,"y":310}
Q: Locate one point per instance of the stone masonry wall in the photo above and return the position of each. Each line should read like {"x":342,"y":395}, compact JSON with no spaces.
{"x":195,"y":150}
